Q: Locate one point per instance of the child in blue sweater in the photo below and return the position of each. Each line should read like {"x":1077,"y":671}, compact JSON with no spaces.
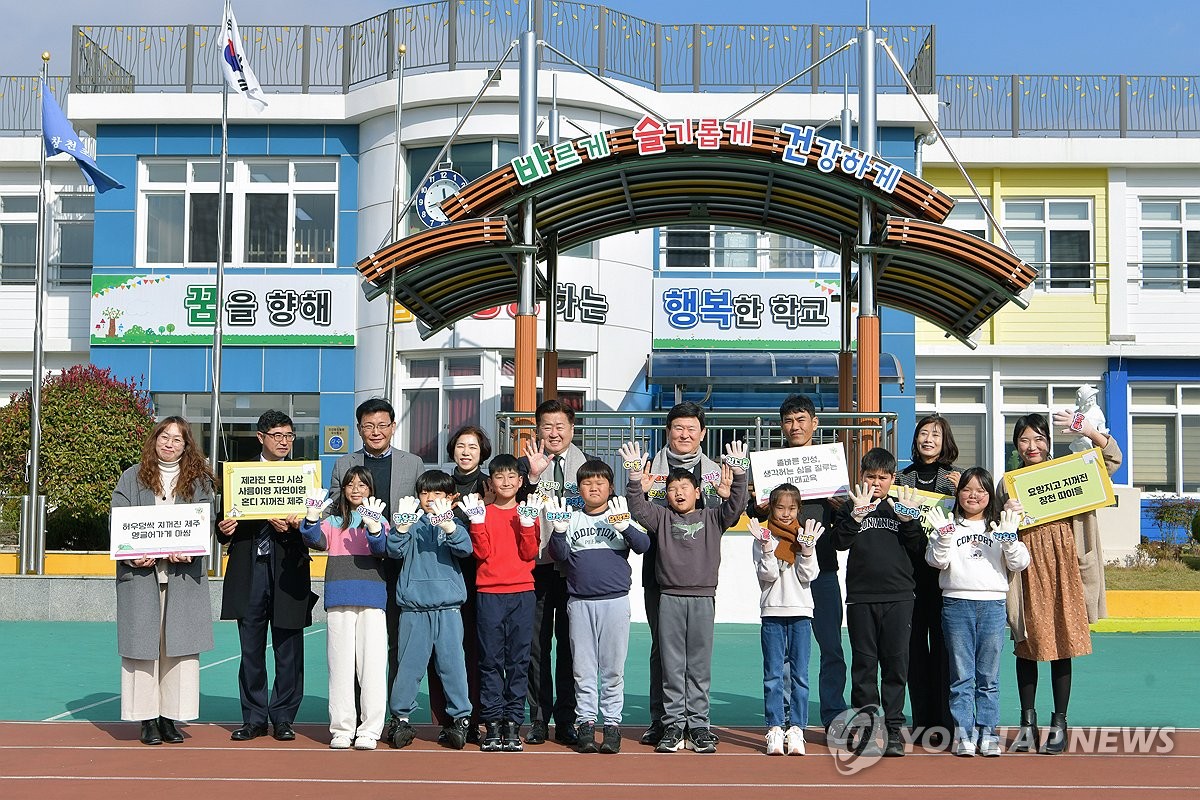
{"x":430,"y":592}
{"x":355,"y":599}
{"x":594,"y":543}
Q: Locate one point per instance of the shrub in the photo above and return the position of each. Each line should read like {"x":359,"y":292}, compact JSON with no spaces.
{"x":93,"y":427}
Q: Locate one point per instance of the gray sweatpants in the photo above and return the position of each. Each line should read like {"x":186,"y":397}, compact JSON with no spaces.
{"x":685,"y":640}
{"x":599,"y":644}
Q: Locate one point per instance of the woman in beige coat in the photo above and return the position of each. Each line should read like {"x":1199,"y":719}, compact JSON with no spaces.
{"x":1052,"y":603}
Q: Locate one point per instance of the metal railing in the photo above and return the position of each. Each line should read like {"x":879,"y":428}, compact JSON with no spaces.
{"x":1063,"y":105}
{"x":471,"y":34}
{"x":1165,"y":276}
{"x":20,"y":101}
{"x":601,"y":433}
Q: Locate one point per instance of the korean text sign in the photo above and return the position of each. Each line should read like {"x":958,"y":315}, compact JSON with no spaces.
{"x":268,"y":489}
{"x":1061,"y":487}
{"x":156,"y":531}
{"x":817,"y":470}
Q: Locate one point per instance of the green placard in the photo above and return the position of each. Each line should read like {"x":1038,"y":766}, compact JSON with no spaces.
{"x":1061,"y":487}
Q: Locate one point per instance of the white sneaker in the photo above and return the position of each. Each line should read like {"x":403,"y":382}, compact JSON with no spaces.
{"x":340,"y":743}
{"x":964,"y":747}
{"x":364,"y":743}
{"x":989,"y":747}
{"x":775,"y":741}
{"x":794,"y":739}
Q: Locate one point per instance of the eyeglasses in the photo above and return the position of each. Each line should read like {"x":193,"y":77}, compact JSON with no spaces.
{"x":371,"y":427}
{"x":167,"y":439}
{"x":281,"y":438}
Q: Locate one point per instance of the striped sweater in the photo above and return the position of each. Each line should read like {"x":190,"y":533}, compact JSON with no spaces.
{"x":354,"y":573}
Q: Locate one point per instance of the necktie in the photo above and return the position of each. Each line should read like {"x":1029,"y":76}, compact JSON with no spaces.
{"x":264,"y":541}
{"x":558,"y":477}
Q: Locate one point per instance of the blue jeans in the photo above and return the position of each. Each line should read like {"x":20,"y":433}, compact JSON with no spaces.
{"x":827,"y":630}
{"x":786,"y":639}
{"x":974,"y":632}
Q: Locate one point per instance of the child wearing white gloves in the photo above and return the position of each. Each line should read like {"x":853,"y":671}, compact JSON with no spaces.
{"x":975,"y":565}
{"x":785,"y":560}
{"x":594,"y":544}
{"x":430,"y":592}
{"x":355,"y":599}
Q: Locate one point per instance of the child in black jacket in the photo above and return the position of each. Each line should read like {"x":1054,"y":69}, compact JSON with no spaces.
{"x":880,"y":536}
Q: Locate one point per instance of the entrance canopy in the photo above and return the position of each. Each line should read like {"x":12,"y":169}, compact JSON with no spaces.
{"x":786,"y":180}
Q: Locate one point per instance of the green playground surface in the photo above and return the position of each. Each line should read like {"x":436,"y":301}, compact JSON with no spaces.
{"x":70,"y":671}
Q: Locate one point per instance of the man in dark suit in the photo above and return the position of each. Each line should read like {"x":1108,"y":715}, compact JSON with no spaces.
{"x":267,"y":586}
{"x":394,"y":469}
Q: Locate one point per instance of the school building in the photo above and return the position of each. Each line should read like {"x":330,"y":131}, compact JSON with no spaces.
{"x":1098,"y":191}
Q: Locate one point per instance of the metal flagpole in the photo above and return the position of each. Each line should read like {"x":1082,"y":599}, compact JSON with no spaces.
{"x":525,"y":380}
{"x":215,"y":407}
{"x":33,"y":509}
{"x":868,"y":315}
{"x":390,"y":365}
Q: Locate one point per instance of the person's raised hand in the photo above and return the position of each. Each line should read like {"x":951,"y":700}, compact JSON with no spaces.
{"x":316,"y":500}
{"x":537,"y":458}
{"x":529,"y":511}
{"x":1005,"y":531}
{"x":406,"y":514}
{"x":1073,"y":422}
{"x":907,"y":503}
{"x":371,"y":512}
{"x":808,"y":536}
{"x":633,"y":459}
{"x":558,"y":514}
{"x":473,"y":507}
{"x":862,"y":501}
{"x":941,"y":524}
{"x":736,"y":457}
{"x":443,"y":515}
{"x":618,"y":513}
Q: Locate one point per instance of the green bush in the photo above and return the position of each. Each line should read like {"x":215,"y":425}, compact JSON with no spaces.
{"x":93,"y":427}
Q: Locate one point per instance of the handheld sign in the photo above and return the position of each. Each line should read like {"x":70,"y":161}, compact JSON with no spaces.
{"x":158,"y":531}
{"x":268,"y":489}
{"x":1061,"y":487}
{"x":817,"y":471}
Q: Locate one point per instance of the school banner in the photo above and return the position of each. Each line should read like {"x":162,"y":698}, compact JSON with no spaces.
{"x":1061,"y":487}
{"x":817,"y":470}
{"x":268,"y":489}
{"x":181,"y":308}
{"x":158,"y":531}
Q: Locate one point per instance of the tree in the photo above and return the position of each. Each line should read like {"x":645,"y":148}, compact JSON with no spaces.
{"x":93,"y":428}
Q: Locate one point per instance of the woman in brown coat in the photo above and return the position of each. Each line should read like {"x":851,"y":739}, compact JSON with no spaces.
{"x":1052,"y":603}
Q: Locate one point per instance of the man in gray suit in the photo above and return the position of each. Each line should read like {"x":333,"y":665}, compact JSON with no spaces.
{"x":395,"y":475}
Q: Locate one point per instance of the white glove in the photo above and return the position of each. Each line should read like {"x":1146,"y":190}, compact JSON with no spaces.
{"x":472,"y":506}
{"x":861,"y":501}
{"x":406,"y":513}
{"x":558,"y":514}
{"x":1073,"y":422}
{"x":443,"y":515}
{"x":760,"y":532}
{"x":371,"y":512}
{"x":808,"y":535}
{"x":907,"y":503}
{"x":633,"y":459}
{"x":735,"y":457}
{"x":1005,"y":531}
{"x":529,"y":511}
{"x":618,"y":513}
{"x":316,"y":500}
{"x":942,"y":525}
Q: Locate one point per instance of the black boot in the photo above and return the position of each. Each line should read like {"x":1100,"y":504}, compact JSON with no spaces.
{"x":1027,"y":735}
{"x":150,"y":733}
{"x":1056,"y":737}
{"x":170,"y":734}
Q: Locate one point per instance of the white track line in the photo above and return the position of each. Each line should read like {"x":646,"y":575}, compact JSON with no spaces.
{"x":73,"y":712}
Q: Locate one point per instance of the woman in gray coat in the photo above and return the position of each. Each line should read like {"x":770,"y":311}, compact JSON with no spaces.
{"x":164,"y":618}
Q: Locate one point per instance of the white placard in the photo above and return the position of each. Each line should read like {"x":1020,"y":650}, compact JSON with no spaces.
{"x":156,"y":531}
{"x":817,"y":470}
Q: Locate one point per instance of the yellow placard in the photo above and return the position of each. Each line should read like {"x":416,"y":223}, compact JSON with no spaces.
{"x":268,"y":489}
{"x":1061,"y":487}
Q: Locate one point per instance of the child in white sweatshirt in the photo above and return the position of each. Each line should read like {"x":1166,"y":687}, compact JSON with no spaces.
{"x":785,"y":561}
{"x":975,"y":563}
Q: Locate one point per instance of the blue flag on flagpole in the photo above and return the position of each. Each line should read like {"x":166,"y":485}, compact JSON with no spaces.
{"x":60,"y":137}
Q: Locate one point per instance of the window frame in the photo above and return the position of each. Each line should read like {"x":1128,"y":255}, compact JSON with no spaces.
{"x":1046,"y":281}
{"x":1187,"y":272}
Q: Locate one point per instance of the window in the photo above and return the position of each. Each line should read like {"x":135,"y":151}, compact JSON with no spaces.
{"x":964,"y":407}
{"x":470,"y":159}
{"x":277,"y":211}
{"x":968,"y":216}
{"x":1055,"y":236}
{"x":239,"y":421}
{"x":572,"y":383}
{"x":71,"y":250}
{"x":721,"y":247}
{"x":1022,"y":399}
{"x":1166,"y":437}
{"x":18,"y":238}
{"x":440,"y":396}
{"x":1170,"y":239}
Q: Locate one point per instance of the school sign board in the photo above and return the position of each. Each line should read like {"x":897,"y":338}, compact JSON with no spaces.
{"x":1061,"y":487}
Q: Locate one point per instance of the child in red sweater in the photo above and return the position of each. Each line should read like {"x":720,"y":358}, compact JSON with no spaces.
{"x":505,"y":536}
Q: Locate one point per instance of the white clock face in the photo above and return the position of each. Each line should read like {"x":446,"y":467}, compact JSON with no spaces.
{"x":438,"y":191}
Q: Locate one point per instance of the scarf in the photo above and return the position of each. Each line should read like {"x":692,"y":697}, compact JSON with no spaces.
{"x":688,"y":462}
{"x":788,"y":547}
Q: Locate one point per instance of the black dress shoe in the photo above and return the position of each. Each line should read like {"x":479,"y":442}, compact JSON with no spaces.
{"x":248,"y":732}
{"x":150,"y":733}
{"x":284,"y":732}
{"x":170,"y":734}
{"x":537,"y":733}
{"x":565,"y":734}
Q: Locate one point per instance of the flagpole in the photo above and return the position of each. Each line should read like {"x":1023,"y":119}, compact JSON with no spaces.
{"x":215,"y":407}
{"x":33,"y":544}
{"x":389,"y":366}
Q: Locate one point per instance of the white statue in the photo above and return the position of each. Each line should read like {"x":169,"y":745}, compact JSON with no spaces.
{"x":1085,"y":404}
